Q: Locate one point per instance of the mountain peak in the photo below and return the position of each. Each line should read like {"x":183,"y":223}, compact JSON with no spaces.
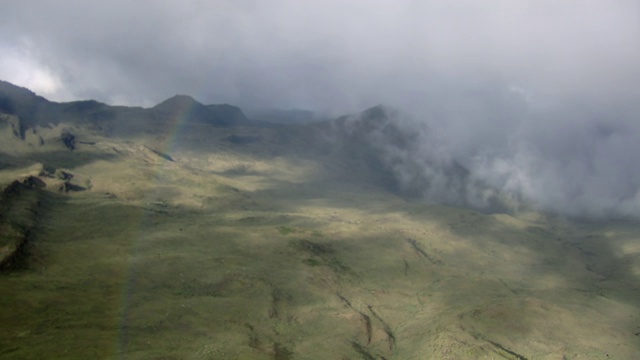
{"x":188,"y":107}
{"x":178,"y":101}
{"x":6,"y":86}
{"x":379,"y":111}
{"x":15,"y":99}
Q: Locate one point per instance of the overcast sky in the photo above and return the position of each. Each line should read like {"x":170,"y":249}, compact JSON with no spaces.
{"x":537,"y":96}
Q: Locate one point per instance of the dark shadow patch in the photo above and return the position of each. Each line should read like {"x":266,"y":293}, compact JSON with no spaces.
{"x":391,"y":338}
{"x":162,"y":155}
{"x":68,"y":139}
{"x":500,"y":349}
{"x":321,"y":254}
{"x":314,"y":248}
{"x":280,"y":352}
{"x":362,"y":351}
{"x":254,"y":340}
{"x":421,"y":252}
{"x":241,"y":139}
{"x":22,"y":206}
{"x":227,"y":286}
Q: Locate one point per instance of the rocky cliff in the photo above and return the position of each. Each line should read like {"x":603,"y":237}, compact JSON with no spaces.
{"x":21,"y":205}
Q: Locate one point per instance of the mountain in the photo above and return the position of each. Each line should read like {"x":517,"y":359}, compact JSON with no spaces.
{"x":364,"y":141}
{"x":186,"y":231}
{"x":381,"y":145}
{"x":280,"y":116}
{"x":19,"y":100}
{"x":193,"y":111}
{"x":33,"y":110}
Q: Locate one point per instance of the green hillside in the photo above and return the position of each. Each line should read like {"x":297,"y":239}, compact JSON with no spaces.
{"x":155,"y":239}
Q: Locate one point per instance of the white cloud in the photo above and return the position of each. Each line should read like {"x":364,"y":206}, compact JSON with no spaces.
{"x":18,"y":65}
{"x":453,"y":64}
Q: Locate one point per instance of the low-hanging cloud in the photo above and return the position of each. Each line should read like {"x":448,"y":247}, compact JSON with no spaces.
{"x":537,"y":98}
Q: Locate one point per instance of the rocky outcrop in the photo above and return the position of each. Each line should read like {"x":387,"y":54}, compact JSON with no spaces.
{"x":21,"y":204}
{"x":68,"y":139}
{"x":63,"y":180}
{"x":11,"y":125}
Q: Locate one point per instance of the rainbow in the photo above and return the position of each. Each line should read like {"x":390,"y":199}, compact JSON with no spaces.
{"x":172,"y":129}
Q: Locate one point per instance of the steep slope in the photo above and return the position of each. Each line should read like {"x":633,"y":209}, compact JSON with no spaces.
{"x":21,"y":207}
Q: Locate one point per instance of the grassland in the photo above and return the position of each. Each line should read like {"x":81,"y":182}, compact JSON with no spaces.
{"x":227,"y":251}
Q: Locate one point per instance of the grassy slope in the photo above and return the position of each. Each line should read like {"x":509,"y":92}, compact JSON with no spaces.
{"x":239,"y":253}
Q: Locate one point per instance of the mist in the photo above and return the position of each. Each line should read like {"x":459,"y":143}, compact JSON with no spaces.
{"x":538,"y":99}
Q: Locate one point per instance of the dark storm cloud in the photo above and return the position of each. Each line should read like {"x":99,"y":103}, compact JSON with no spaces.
{"x":538,"y":98}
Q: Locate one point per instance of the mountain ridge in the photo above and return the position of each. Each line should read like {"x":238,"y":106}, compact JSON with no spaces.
{"x":178,"y":238}
{"x":380,"y":144}
{"x":34,"y":110}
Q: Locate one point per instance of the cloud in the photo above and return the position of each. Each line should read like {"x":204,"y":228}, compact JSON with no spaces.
{"x":537,"y":97}
{"x":19,"y":67}
{"x":328,"y":54}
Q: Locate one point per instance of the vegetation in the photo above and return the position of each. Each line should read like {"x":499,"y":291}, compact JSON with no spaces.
{"x":170,"y":253}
